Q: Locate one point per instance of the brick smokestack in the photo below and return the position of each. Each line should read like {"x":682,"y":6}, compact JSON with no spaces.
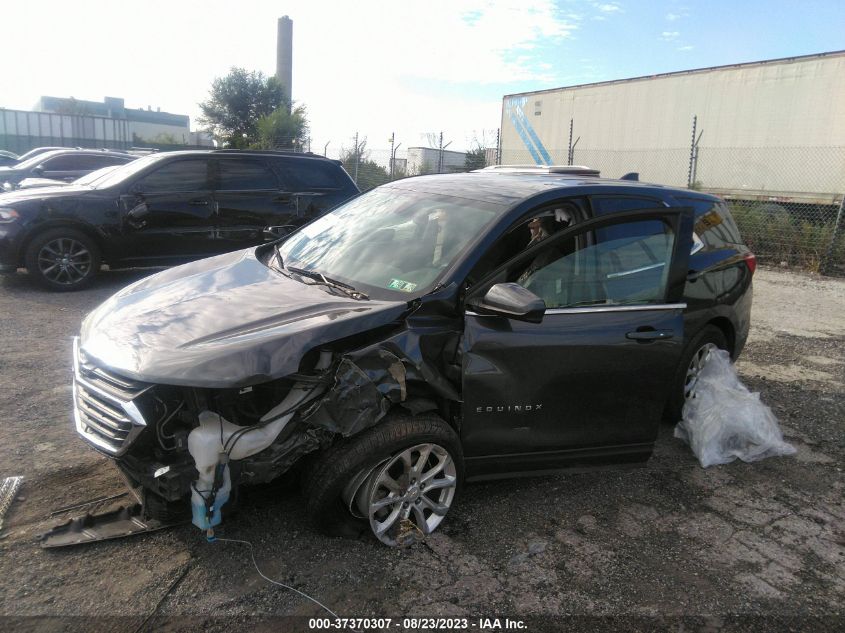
{"x":284,"y":55}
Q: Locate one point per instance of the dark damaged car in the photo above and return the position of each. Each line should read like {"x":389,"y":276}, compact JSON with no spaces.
{"x":432,"y":331}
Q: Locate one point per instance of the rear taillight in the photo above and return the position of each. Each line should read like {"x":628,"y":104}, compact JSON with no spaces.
{"x":750,"y":261}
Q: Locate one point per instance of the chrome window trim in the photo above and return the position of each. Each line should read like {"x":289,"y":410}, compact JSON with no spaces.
{"x":635,"y":270}
{"x":605,"y":308}
{"x":632,"y":308}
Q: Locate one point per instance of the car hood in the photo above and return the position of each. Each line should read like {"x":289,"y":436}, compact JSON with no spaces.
{"x":42,"y":193}
{"x":226,"y":321}
{"x":31,"y":183}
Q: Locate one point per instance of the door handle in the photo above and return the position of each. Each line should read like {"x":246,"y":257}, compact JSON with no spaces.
{"x":198,"y":203}
{"x":647,"y":336}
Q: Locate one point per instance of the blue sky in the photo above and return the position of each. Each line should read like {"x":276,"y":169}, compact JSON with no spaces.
{"x":413,"y":68}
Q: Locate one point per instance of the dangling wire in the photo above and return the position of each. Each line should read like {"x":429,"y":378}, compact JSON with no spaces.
{"x":276,"y":582}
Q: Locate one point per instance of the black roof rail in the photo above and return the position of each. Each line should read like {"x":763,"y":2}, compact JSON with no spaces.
{"x":281,"y":152}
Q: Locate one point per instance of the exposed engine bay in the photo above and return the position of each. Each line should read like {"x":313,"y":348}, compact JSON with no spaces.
{"x":185,"y":451}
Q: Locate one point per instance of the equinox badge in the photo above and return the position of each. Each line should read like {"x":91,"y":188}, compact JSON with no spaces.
{"x":515,"y":408}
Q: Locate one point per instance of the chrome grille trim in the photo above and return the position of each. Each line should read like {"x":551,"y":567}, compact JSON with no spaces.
{"x":103,"y":409}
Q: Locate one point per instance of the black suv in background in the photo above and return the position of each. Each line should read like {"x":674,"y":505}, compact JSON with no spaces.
{"x":165,"y":209}
{"x":61,"y":164}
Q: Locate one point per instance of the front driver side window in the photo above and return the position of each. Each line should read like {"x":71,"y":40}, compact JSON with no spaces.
{"x":621,"y":264}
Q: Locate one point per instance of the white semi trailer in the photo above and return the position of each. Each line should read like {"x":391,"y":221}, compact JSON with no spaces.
{"x":771,"y":130}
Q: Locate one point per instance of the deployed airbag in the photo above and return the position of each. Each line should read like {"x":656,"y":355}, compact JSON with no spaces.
{"x":725,"y":421}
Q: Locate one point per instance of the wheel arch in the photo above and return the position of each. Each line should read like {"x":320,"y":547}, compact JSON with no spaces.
{"x":81,"y":227}
{"x":727,"y":328}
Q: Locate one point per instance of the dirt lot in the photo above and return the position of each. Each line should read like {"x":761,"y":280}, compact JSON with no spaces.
{"x":743,"y":546}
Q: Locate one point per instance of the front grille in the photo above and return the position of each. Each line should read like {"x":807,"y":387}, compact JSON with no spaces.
{"x":104,"y":405}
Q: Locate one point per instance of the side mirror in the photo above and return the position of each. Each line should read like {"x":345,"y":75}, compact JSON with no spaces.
{"x":512,"y":301}
{"x":38,"y":171}
{"x":273,"y":233}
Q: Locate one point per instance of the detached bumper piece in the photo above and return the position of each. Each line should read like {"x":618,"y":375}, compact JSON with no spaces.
{"x":88,"y":528}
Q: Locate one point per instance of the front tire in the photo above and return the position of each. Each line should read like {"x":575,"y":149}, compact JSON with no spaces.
{"x":397,"y":480}
{"x":692,"y":360}
{"x":63,"y":259}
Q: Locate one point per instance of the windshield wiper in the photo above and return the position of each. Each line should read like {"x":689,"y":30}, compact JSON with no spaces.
{"x":279,"y":255}
{"x":320,"y":278}
{"x":276,"y":263}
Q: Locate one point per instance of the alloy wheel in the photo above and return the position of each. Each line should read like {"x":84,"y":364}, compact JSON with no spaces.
{"x":407,"y":497}
{"x":699,"y":359}
{"x":64,"y":261}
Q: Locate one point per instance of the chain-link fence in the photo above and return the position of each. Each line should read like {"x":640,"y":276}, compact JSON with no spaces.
{"x":787,"y":201}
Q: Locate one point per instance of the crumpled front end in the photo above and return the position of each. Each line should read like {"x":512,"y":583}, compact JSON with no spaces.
{"x":185,"y":451}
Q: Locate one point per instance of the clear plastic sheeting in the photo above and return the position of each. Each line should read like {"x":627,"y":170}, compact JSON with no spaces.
{"x":724,"y":421}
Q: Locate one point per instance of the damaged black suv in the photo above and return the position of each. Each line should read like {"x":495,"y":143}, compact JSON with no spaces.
{"x":434,"y":330}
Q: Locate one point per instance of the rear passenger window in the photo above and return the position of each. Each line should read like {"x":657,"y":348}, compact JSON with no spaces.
{"x":241,"y":175}
{"x":67,"y":162}
{"x":310,"y":174}
{"x":713,"y":222}
{"x":92,"y":162}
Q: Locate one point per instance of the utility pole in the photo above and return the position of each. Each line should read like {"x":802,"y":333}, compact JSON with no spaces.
{"x":325,"y":148}
{"x":569,"y":152}
{"x":498,"y":145}
{"x":442,"y":147}
{"x":356,"y":158}
{"x":693,"y":154}
{"x":392,"y":152}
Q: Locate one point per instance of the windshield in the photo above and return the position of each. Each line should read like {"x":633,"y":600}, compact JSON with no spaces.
{"x":390,"y":243}
{"x":90,"y":179}
{"x":126,"y":171}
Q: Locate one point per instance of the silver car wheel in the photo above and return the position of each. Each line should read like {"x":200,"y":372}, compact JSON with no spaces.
{"x":408,"y":497}
{"x":699,"y":359}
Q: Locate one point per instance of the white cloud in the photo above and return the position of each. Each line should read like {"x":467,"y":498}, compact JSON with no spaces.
{"x":611,"y":7}
{"x":670,"y":36}
{"x":367,"y":66}
{"x":671,"y":17}
{"x":685,"y":48}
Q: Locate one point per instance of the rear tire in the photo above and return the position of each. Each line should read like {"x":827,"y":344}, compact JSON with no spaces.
{"x":63,"y":259}
{"x":694,"y":354}
{"x":362,"y":458}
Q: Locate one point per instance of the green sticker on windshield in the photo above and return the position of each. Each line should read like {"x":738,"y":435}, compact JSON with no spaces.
{"x":404,"y":286}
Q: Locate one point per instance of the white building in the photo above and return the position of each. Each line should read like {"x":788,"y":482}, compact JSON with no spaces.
{"x":431,"y":160}
{"x":774,"y":127}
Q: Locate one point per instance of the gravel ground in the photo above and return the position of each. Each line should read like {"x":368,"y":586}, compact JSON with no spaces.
{"x":736,"y":547}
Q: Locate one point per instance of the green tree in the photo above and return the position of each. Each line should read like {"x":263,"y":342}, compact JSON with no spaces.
{"x":236,"y":103}
{"x":475,"y":159}
{"x":369,"y":173}
{"x":282,"y":129}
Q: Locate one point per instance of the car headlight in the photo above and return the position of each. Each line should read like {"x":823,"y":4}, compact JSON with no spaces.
{"x":8,"y":215}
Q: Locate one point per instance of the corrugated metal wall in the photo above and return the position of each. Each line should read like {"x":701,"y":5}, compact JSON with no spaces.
{"x":772,"y":126}
{"x":21,"y":131}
